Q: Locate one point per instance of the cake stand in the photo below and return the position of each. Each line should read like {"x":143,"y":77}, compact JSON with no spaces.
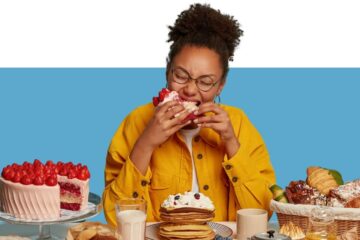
{"x":93,"y":209}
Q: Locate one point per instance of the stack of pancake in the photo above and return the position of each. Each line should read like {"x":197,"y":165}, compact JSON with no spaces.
{"x":185,"y":216}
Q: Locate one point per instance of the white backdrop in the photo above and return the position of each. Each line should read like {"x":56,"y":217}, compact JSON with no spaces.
{"x":88,"y":33}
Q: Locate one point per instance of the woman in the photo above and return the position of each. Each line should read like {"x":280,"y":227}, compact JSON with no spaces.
{"x":154,"y":154}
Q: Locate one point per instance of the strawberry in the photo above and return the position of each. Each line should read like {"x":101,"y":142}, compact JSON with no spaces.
{"x":59,"y":164}
{"x":191,"y":116}
{"x":71,"y":174}
{"x":51,"y":181}
{"x":162,"y":94}
{"x":15,"y":166}
{"x":49,"y":163}
{"x":155,"y":101}
{"x":26,"y":180}
{"x":39,"y":168}
{"x":63,"y":171}
{"x":38,"y":180}
{"x":10,"y":175}
{"x":37,"y":162}
{"x":27,"y":165}
{"x":48,"y":171}
{"x":69,"y":165}
{"x":17,"y":177}
{"x":5,"y":171}
{"x":81,"y":175}
{"x":85,"y":170}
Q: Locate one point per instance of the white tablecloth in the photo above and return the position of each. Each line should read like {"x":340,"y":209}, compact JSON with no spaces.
{"x":60,"y":230}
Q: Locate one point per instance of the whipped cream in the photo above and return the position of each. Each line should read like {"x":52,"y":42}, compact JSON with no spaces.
{"x":174,"y":96}
{"x":188,"y":199}
{"x":171,"y":96}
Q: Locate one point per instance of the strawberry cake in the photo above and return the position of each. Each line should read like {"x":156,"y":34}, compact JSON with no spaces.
{"x":37,"y":191}
{"x":165,"y":95}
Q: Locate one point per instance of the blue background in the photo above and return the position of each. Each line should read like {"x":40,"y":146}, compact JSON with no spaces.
{"x":307,"y":116}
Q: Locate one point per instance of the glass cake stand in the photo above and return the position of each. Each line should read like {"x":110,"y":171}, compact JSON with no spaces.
{"x":93,"y":209}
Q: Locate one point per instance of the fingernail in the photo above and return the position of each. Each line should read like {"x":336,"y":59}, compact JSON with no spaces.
{"x":196,"y":120}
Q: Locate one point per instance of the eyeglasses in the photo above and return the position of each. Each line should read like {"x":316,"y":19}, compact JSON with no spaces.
{"x":204,"y":83}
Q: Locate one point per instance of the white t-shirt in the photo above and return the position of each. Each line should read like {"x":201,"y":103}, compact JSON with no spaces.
{"x":188,"y":135}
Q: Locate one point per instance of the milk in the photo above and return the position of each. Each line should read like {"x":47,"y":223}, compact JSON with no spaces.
{"x":131,"y":224}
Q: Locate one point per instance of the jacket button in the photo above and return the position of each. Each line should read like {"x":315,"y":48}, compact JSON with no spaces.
{"x":135,"y":195}
{"x":206,"y":187}
{"x":197,"y":138}
{"x":199,"y":156}
{"x":228,"y":167}
{"x":234,"y":179}
{"x":143,"y":183}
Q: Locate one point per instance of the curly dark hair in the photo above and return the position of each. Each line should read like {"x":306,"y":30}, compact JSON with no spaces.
{"x":203,"y":26}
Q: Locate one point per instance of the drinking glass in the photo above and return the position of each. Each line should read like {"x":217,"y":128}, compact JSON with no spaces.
{"x":321,"y":224}
{"x":131,"y":218}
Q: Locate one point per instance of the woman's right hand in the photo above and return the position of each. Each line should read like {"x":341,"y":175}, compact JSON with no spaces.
{"x":164,"y":124}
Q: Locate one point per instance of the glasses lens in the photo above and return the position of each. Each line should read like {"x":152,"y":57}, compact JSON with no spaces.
{"x":205,"y":83}
{"x":180,"y":76}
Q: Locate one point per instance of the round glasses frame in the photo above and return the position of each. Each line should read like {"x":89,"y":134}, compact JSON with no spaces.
{"x":186,"y":79}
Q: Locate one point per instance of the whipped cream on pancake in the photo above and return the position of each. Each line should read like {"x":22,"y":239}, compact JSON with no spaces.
{"x":188,"y":199}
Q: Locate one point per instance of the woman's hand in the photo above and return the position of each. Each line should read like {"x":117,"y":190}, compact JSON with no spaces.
{"x":220,"y":122}
{"x":164,"y":123}
{"x":162,"y":126}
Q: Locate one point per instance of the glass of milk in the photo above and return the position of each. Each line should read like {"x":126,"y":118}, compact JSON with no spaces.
{"x":131,"y":218}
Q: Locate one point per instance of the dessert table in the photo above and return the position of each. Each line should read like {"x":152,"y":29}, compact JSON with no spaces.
{"x":60,"y":230}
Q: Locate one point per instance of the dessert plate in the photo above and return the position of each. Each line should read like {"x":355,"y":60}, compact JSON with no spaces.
{"x":219,"y":229}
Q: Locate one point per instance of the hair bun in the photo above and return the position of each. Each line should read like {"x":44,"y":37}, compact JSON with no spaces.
{"x":207,"y":22}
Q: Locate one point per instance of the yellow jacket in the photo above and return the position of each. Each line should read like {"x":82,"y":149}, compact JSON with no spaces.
{"x":239,"y":182}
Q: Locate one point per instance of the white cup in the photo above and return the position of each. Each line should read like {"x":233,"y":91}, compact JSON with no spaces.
{"x":250,"y":221}
{"x":131,"y":218}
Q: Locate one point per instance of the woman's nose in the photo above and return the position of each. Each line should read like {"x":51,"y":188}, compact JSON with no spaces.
{"x":191,"y":88}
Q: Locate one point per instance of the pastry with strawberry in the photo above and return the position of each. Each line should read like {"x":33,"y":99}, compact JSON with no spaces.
{"x":165,"y":95}
{"x":38,"y":191}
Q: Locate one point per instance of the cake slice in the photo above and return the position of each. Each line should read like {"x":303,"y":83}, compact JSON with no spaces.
{"x":74,"y":186}
{"x":165,"y":95}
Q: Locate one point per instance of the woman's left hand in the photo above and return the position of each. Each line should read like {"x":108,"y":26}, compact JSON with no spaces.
{"x":220,"y":122}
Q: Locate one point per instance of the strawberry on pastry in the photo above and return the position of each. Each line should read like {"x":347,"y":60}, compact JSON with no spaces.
{"x":165,"y":95}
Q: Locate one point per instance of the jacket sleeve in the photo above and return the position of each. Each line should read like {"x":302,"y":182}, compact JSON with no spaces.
{"x":122,"y":178}
{"x":250,"y":171}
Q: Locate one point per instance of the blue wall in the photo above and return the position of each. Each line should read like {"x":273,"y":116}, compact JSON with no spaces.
{"x":306,"y":116}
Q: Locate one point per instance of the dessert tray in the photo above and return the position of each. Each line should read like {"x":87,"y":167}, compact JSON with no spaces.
{"x":219,"y":229}
{"x":93,"y":209}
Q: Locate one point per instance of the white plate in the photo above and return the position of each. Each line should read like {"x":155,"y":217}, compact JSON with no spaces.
{"x":219,"y":229}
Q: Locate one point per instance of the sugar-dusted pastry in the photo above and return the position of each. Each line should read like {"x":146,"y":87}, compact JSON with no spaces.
{"x":91,"y":231}
{"x":292,"y":230}
{"x":298,"y":192}
{"x":347,"y":195}
{"x":323,"y":179}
